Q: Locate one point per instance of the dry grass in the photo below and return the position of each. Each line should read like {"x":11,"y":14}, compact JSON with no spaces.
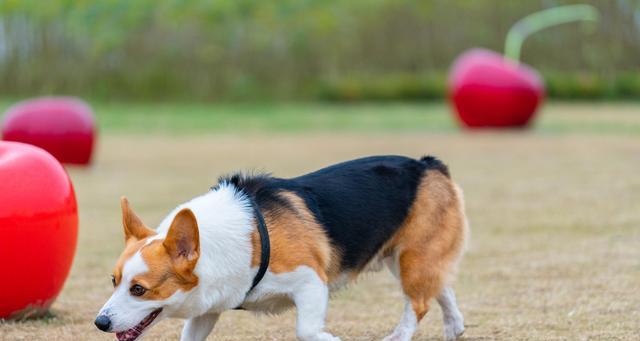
{"x":554,"y":254}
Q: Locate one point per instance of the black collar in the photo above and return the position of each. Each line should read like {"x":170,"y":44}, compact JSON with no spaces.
{"x":265,"y":245}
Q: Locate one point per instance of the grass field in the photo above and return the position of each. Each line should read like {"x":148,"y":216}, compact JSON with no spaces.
{"x":554,"y":212}
{"x":275,"y":118}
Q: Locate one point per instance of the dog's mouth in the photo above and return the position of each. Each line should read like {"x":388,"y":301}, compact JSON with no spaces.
{"x":135,"y":332}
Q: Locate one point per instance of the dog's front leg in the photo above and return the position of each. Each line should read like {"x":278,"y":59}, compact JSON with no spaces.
{"x":198,"y":328}
{"x":311,"y":299}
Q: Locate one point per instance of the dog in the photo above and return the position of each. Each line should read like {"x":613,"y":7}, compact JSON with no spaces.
{"x":264,"y":244}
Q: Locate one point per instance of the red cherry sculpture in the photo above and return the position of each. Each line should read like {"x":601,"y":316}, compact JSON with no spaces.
{"x":38,"y":229}
{"x":63,"y":126}
{"x":488,"y":90}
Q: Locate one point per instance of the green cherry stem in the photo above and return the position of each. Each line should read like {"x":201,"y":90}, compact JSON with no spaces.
{"x":543,"y":19}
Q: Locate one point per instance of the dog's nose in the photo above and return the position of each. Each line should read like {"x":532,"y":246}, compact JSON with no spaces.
{"x":103,"y":322}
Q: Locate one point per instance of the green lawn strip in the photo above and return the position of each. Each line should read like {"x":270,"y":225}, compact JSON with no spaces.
{"x":278,"y":117}
{"x":294,"y":117}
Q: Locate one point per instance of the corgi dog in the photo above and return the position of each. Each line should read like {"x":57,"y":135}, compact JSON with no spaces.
{"x":265,"y":244}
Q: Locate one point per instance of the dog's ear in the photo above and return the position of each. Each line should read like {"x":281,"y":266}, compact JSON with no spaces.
{"x":183,"y":240}
{"x":134,"y":228}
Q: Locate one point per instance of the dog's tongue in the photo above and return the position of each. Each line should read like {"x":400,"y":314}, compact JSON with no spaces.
{"x":135,"y":332}
{"x":128,"y":335}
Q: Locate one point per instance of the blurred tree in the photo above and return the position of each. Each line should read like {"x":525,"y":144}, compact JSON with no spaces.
{"x":237,"y":49}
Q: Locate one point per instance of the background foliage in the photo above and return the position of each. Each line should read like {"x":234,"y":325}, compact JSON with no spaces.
{"x":329,"y":49}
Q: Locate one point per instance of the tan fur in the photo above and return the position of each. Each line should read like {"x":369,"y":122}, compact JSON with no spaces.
{"x":133,"y":226}
{"x":296,"y":240}
{"x":131,"y":247}
{"x":163,"y":278}
{"x":135,"y":236}
{"x":170,"y":261}
{"x":430,"y":241}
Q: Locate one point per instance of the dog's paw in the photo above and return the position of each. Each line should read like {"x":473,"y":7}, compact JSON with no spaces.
{"x":395,"y":336}
{"x":328,"y":337}
{"x":453,"y":331}
{"x":319,"y":337}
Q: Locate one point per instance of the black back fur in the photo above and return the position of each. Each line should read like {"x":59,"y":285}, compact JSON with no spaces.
{"x":360,"y":203}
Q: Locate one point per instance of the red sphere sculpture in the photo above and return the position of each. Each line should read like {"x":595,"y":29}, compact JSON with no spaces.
{"x":63,"y":126}
{"x":488,"y":90}
{"x":38,"y":229}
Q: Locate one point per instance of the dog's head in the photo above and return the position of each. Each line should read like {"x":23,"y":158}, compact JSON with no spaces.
{"x":152,"y":276}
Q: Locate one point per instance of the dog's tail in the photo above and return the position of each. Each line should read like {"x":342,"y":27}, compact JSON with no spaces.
{"x":432,"y":162}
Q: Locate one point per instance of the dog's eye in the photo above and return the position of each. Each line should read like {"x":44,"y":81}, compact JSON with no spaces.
{"x":113,"y":280}
{"x":137,"y":290}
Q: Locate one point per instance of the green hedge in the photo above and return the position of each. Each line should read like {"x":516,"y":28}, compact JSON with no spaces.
{"x":592,"y":86}
{"x":384,"y":88}
{"x":296,"y":49}
{"x":397,"y":87}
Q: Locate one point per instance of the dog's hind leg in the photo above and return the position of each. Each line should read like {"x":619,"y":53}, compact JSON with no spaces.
{"x":407,"y":325}
{"x":426,"y":250}
{"x":420,"y":284}
{"x":451,"y":315}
